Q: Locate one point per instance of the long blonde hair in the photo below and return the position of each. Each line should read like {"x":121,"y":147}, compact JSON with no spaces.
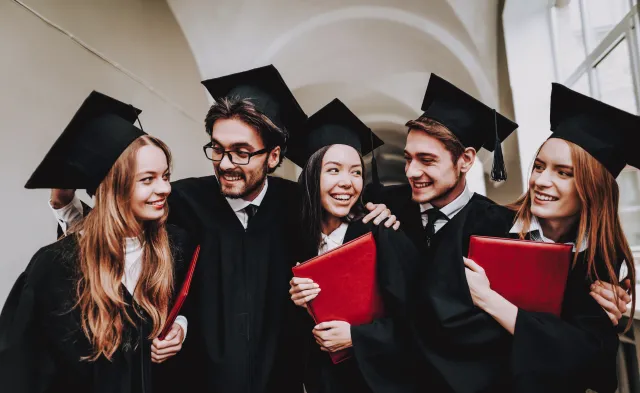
{"x":599,"y":223}
{"x":101,"y":258}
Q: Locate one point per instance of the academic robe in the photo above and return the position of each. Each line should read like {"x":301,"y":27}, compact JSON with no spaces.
{"x":244,"y":331}
{"x":41,"y":340}
{"x":571,"y":353}
{"x":465,"y":350}
{"x":381,"y":360}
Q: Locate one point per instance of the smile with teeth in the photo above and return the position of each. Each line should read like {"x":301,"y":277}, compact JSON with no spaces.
{"x":157,"y":203}
{"x":341,"y":197}
{"x":230,"y":177}
{"x":545,"y":197}
{"x":422,"y":184}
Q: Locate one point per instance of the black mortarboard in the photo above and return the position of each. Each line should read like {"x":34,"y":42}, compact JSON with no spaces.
{"x":607,"y":133}
{"x":475,"y":124}
{"x":332,"y":124}
{"x":89,"y":146}
{"x":267,"y":90}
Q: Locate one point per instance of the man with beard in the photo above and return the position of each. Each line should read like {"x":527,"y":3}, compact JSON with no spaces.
{"x":244,"y":332}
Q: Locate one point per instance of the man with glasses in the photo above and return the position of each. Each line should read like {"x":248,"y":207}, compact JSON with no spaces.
{"x":245,"y":335}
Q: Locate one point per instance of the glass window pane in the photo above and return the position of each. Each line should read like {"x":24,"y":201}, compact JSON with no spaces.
{"x":582,"y":85}
{"x":570,"y":50}
{"x":601,"y":17}
{"x":629,"y":183}
{"x":615,"y":82}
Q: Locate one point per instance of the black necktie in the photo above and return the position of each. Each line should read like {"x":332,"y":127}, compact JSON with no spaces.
{"x":433,"y":215}
{"x":251,"y":211}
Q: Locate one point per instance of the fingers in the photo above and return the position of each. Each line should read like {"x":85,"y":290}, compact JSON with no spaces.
{"x":611,"y":293}
{"x":300,"y":280}
{"x":303,"y":301}
{"x":379,"y":212}
{"x":610,"y":308}
{"x":472,"y":265}
{"x":384,"y":214}
{"x":391,"y":220}
{"x":396,"y":226}
{"x":327,"y":325}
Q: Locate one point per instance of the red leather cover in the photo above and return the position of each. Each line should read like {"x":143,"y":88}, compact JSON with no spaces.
{"x":182,"y":296}
{"x":531,"y":275}
{"x":347,"y":277}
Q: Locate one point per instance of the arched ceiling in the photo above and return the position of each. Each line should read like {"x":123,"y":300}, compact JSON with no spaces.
{"x":374,"y":55}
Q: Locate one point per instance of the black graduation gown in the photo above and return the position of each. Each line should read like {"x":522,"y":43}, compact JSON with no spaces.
{"x":380,"y":359}
{"x":457,"y":343}
{"x":465,"y":350}
{"x":244,"y":331}
{"x":567,"y":354}
{"x":41,"y":341}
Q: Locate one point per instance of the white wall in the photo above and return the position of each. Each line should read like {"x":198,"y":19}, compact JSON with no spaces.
{"x":45,"y":76}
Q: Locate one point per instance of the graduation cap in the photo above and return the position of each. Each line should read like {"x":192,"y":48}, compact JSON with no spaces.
{"x":332,"y":124}
{"x":266,"y":89}
{"x":81,"y":157}
{"x":472,"y":122}
{"x":605,"y":132}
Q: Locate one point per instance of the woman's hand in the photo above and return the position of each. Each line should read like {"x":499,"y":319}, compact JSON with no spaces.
{"x":603,"y":293}
{"x":503,"y":311}
{"x":478,"y":282}
{"x":333,"y":336}
{"x":303,"y":290}
{"x":162,"y":350}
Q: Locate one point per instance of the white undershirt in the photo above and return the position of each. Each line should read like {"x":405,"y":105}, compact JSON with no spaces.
{"x":334,"y":239}
{"x":449,"y":210}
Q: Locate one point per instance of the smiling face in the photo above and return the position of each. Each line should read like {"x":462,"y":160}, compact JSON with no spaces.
{"x":341,"y":180}
{"x":241,"y":181}
{"x":552,"y":185}
{"x":430,"y":169}
{"x":151,"y":187}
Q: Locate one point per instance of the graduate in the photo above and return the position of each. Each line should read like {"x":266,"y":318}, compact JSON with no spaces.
{"x":83,"y":315}
{"x":572,"y":198}
{"x":332,"y":210}
{"x":244,"y":331}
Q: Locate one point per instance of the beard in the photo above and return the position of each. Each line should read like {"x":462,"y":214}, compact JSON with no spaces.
{"x":248,"y":184}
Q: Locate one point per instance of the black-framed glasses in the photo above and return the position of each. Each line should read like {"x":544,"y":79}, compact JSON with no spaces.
{"x":237,"y":157}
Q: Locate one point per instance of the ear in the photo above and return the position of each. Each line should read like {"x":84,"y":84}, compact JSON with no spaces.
{"x":466,"y":160}
{"x":274,"y":157}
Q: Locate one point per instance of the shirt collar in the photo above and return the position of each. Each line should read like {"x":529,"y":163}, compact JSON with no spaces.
{"x":238,"y":204}
{"x":536,"y":234}
{"x":337,"y":236}
{"x":455,"y":206}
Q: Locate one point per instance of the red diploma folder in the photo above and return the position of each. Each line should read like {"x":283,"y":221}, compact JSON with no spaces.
{"x":182,"y":296}
{"x":347,"y":277}
{"x":531,"y":275}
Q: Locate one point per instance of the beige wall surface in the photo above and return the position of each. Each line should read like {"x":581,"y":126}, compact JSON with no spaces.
{"x":45,"y":76}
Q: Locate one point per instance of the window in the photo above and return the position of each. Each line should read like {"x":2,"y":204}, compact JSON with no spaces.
{"x":597,"y":54}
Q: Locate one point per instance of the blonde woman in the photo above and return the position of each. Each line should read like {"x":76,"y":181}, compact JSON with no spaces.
{"x":83,"y":315}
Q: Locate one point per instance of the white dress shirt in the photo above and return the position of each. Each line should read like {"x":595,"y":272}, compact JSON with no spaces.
{"x":536,"y":234}
{"x":238,"y":204}
{"x":334,"y":239}
{"x":449,"y":210}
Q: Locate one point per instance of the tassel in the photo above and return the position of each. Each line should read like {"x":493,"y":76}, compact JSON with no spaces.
{"x":498,"y":169}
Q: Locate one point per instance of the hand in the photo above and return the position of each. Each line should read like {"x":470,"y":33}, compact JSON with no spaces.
{"x":379,"y":213}
{"x":61,"y":197}
{"x":162,"y":350}
{"x":333,"y":336}
{"x":303,"y":290}
{"x":478,"y":282}
{"x":603,"y":293}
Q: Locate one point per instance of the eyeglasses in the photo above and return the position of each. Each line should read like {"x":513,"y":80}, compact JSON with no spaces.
{"x":238,"y":157}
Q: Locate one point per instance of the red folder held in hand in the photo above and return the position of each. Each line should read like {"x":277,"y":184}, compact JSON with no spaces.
{"x":182,"y":296}
{"x":347,"y":277}
{"x":531,"y":275}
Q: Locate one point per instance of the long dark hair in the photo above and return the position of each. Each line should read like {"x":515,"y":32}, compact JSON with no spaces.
{"x":312,"y":211}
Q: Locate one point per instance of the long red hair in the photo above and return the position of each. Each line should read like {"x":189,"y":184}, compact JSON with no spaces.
{"x":599,"y":222}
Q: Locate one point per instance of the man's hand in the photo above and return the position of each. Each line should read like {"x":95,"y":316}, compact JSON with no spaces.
{"x":379,"y":213}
